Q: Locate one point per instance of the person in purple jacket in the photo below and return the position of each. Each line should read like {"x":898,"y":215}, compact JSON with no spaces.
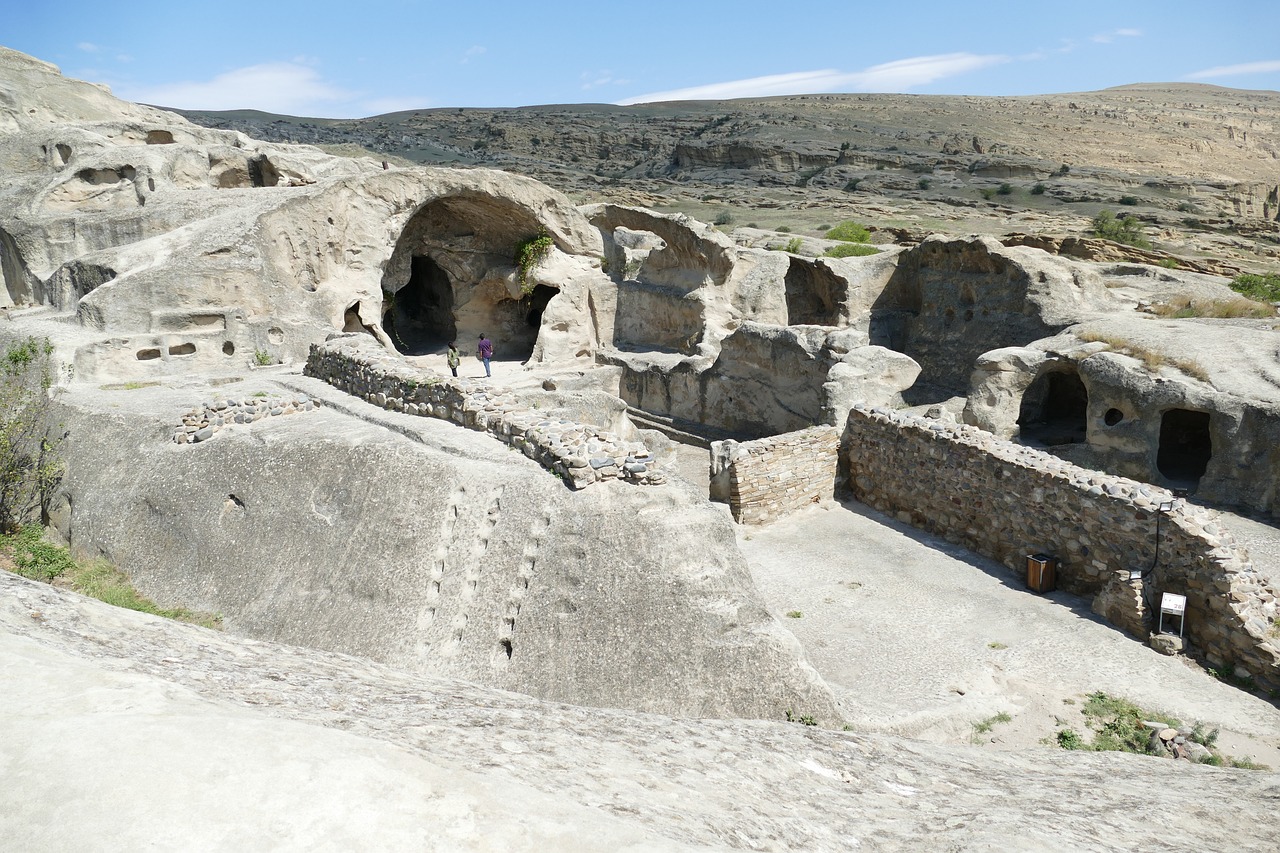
{"x":485,"y":351}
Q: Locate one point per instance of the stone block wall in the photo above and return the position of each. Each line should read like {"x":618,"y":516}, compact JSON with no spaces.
{"x":774,"y":476}
{"x":1006,"y":501}
{"x":580,"y":454}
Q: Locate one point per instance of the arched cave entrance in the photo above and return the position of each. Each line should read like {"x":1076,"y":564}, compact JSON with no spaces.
{"x":1054,"y":410}
{"x":450,"y":274}
{"x":1185,"y":446}
{"x":420,"y":318}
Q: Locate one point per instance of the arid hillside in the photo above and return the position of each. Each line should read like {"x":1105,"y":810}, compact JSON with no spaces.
{"x":1198,"y":165}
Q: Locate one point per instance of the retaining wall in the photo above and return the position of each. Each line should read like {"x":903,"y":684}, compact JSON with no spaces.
{"x":580,"y":454}
{"x":771,"y":477}
{"x":1006,"y":501}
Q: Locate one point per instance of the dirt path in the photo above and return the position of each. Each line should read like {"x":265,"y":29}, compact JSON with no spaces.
{"x":924,"y":639}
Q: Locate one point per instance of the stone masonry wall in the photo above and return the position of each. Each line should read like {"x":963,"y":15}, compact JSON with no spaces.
{"x":580,"y":454}
{"x":1006,"y":501}
{"x":771,"y":477}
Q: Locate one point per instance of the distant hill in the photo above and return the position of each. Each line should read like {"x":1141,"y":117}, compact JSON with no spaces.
{"x":1198,"y":164}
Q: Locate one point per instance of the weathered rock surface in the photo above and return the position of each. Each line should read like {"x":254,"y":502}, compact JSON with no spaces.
{"x":436,"y":550}
{"x":125,"y":730}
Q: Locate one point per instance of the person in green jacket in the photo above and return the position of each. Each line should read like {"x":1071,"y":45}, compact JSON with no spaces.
{"x":452,"y":357}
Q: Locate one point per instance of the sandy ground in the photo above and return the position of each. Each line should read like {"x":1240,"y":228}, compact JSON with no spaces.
{"x":921,"y":638}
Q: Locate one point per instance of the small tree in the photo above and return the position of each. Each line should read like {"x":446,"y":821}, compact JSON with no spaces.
{"x":1125,"y":230}
{"x":28,"y":467}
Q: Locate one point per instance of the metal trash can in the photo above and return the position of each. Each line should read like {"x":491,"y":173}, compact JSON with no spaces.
{"x":1042,"y":573}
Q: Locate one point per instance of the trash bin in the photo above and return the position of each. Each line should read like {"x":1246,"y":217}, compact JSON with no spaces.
{"x":1042,"y":572}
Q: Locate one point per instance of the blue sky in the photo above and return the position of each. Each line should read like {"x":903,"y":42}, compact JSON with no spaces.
{"x":350,"y":60}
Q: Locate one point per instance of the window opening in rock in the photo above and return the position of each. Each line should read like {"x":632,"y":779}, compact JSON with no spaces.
{"x":159,"y":137}
{"x":148,"y":354}
{"x":64,"y":153}
{"x":1054,"y":410}
{"x":1185,"y":446}
{"x":1113,"y":417}
{"x":351,"y":319}
{"x":182,"y":349}
{"x":537,"y":304}
{"x":421,"y":318}
{"x":262,"y":173}
{"x":228,"y":348}
{"x":813,"y":295}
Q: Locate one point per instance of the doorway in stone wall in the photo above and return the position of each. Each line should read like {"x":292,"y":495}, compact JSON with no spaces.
{"x":1185,"y":447}
{"x":1054,"y":410}
{"x":421,"y":319}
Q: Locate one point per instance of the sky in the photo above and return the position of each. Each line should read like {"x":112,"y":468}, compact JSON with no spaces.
{"x":350,"y":60}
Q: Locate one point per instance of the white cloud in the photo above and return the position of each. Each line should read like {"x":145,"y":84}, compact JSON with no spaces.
{"x":596,"y":79}
{"x":276,"y":87}
{"x":1266,"y":67}
{"x":1108,"y":37}
{"x":474,"y":51}
{"x":896,"y":76}
{"x":88,"y":47}
{"x":380,"y":106}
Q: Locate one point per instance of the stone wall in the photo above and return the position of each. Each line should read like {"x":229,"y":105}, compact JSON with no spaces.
{"x":207,"y":419}
{"x":774,"y":476}
{"x":1006,"y":501}
{"x":580,"y":454}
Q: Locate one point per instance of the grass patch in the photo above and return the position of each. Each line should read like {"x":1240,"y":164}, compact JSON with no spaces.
{"x":1118,"y":726}
{"x":998,"y":646}
{"x":1236,"y":308}
{"x":851,"y":250}
{"x":802,"y":719}
{"x":982,"y":727}
{"x":794,"y":614}
{"x":34,"y":558}
{"x":1150,"y":359}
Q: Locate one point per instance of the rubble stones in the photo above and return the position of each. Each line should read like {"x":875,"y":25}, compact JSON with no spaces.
{"x":204,"y":421}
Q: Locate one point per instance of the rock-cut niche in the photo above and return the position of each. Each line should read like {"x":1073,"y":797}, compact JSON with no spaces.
{"x":1054,"y":410}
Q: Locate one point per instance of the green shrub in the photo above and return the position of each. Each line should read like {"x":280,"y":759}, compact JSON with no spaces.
{"x":724,"y":218}
{"x":851,"y":250}
{"x":793,"y":245}
{"x":39,"y":560}
{"x":1187,"y":207}
{"x":529,"y":252}
{"x":262,"y":358}
{"x":924,"y":183}
{"x":1129,"y":200}
{"x":1038,"y":189}
{"x":1125,"y":230}
{"x":852,"y":185}
{"x":1005,"y":189}
{"x":850,"y":232}
{"x":1263,"y":288}
{"x":1062,"y":170}
{"x":29,"y":467}
{"x":988,"y":193}
{"x":1068,"y":739}
{"x":783,"y":229}
{"x":1169,"y":263}
{"x":35,"y":558}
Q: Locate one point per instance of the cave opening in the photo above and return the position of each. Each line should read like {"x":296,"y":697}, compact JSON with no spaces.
{"x":1185,"y":446}
{"x":421,"y":319}
{"x":1054,"y":410}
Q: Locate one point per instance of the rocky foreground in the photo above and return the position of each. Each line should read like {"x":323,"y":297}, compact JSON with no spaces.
{"x":125,"y":731}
